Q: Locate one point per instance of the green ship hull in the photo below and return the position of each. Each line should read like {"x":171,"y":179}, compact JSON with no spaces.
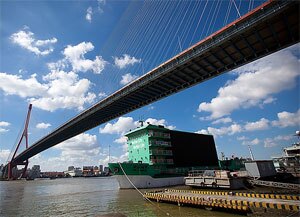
{"x":143,"y":175}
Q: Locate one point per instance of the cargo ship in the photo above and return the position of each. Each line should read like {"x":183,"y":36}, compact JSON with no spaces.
{"x":160,"y":157}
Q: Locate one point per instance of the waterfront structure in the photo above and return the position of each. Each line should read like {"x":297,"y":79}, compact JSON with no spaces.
{"x":106,"y":171}
{"x":88,"y":171}
{"x":53,"y":174}
{"x":96,"y":171}
{"x":233,"y":164}
{"x":74,"y":171}
{"x":260,"y":168}
{"x":161,"y":157}
{"x":214,"y":179}
{"x":1,"y":170}
{"x":254,"y":204}
{"x":70,"y":168}
{"x":35,"y":172}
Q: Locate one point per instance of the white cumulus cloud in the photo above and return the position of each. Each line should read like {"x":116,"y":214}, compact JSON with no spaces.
{"x":272,"y":142}
{"x":122,"y":62}
{"x":3,"y":130}
{"x":114,"y":159}
{"x":127,"y":78}
{"x":4,"y":124}
{"x":124,"y":124}
{"x":82,"y":141}
{"x":75,"y":56}
{"x":16,"y":85}
{"x":78,"y":151}
{"x":101,"y":4}
{"x":121,"y":140}
{"x":262,"y":124}
{"x":102,"y":95}
{"x":255,"y":141}
{"x":43,"y":125}
{"x":65,"y":91}
{"x":222,"y":121}
{"x":241,"y":138}
{"x":4,"y":154}
{"x":230,"y":130}
{"x":89,"y":13}
{"x":26,"y":39}
{"x":59,"y":90}
{"x":203,"y":131}
{"x":255,"y":84}
{"x":81,"y":146}
{"x":156,"y":122}
{"x":287,"y":119}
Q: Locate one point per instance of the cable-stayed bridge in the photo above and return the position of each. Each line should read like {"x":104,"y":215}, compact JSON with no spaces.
{"x":264,"y":30}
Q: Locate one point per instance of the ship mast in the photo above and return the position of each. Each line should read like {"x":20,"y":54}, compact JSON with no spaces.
{"x":251,"y":154}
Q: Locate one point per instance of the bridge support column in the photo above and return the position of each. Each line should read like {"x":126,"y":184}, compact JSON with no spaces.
{"x":13,"y":164}
{"x":9,"y":172}
{"x":25,"y":170}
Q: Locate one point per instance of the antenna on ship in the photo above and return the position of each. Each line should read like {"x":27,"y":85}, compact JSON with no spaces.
{"x":141,"y":121}
{"x":222,"y":156}
{"x":298,"y":135}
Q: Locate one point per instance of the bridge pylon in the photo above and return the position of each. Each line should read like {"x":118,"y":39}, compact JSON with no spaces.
{"x":12,"y":163}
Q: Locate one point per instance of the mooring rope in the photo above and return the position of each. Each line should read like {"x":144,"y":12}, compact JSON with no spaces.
{"x":168,"y":214}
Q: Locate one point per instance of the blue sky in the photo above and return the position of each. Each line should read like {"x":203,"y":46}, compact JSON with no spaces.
{"x":65,"y":56}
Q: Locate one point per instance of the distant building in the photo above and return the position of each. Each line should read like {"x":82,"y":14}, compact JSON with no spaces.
{"x":1,"y":170}
{"x":70,"y":168}
{"x":106,"y":170}
{"x":96,"y":171}
{"x":35,"y":172}
{"x":100,"y":168}
{"x":88,"y":171}
{"x":53,"y":174}
{"x":73,"y":171}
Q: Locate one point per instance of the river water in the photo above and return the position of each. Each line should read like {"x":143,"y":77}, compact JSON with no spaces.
{"x":84,"y":197}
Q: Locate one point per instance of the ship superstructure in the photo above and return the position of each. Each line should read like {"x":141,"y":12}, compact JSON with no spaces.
{"x":290,"y":161}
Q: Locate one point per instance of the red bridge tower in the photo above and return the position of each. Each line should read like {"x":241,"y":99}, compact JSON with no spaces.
{"x":13,"y":164}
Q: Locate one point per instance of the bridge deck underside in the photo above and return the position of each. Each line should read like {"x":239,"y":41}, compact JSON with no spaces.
{"x":237,"y":45}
